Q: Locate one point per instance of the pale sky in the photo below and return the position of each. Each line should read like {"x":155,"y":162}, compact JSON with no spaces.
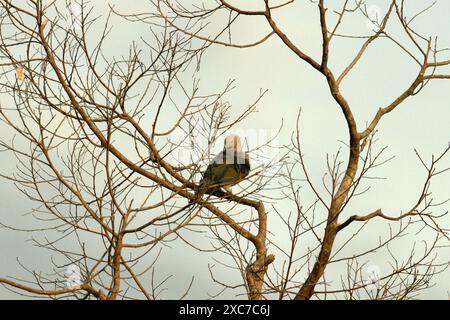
{"x":421,"y":122}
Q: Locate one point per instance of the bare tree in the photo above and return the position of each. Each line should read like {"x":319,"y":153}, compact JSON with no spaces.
{"x":95,"y":150}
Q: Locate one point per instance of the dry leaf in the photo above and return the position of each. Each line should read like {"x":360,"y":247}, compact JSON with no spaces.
{"x":19,"y":72}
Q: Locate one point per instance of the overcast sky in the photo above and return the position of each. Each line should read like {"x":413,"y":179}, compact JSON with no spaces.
{"x":421,"y":122}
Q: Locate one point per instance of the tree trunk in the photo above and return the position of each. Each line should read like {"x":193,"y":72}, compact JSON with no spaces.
{"x":307,"y":290}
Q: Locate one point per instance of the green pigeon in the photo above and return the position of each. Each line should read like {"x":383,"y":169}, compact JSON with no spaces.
{"x":228,"y":168}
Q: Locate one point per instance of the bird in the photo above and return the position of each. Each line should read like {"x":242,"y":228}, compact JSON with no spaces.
{"x":228,"y":168}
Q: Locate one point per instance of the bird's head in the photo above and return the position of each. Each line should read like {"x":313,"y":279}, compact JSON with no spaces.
{"x":233,"y":142}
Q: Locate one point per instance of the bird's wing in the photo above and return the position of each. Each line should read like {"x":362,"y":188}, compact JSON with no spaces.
{"x":218,"y":174}
{"x":227,"y":168}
